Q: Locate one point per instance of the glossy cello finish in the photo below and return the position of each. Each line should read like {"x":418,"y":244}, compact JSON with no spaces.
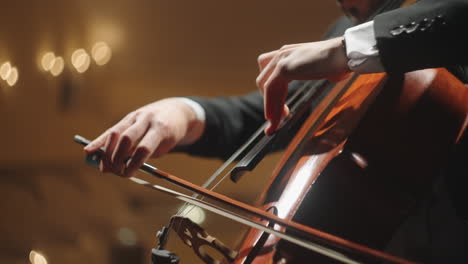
{"x":377,"y":151}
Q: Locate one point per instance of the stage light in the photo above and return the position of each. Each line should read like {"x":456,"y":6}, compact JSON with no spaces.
{"x":101,"y":53}
{"x":5,"y":70}
{"x":194,"y":213}
{"x":58,"y":64}
{"x":12,"y":77}
{"x":47,"y":61}
{"x":37,"y":258}
{"x":80,"y":60}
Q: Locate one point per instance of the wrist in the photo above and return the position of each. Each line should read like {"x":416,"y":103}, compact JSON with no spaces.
{"x":195,"y":120}
{"x":339,"y":59}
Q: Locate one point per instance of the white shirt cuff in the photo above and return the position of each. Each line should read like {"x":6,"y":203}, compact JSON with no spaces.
{"x":361,"y":49}
{"x":200,"y":114}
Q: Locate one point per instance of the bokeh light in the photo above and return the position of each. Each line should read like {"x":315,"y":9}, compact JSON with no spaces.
{"x":12,"y":76}
{"x":5,"y":70}
{"x":37,"y":258}
{"x":58,"y":64}
{"x":47,"y":61}
{"x":101,"y":53}
{"x":80,"y":60}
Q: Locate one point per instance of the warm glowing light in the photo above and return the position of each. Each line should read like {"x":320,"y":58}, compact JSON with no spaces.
{"x":80,"y":60}
{"x":5,"y":70}
{"x":57,"y":66}
{"x":47,"y":61}
{"x":37,"y":258}
{"x":101,"y":53}
{"x":127,"y":236}
{"x":196,"y":214}
{"x":76,"y":55}
{"x":12,"y":77}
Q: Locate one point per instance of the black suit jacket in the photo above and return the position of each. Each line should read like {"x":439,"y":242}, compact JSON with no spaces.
{"x":428,"y":34}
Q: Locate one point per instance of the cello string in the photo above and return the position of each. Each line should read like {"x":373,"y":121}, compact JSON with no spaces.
{"x":293,"y":109}
{"x":236,"y":154}
{"x":228,"y":162}
{"x":304,"y":91}
{"x":186,"y":208}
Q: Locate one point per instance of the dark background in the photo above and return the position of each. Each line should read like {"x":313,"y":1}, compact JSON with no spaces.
{"x":50,"y":200}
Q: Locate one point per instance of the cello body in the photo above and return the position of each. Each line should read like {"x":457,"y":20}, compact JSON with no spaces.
{"x":368,"y":164}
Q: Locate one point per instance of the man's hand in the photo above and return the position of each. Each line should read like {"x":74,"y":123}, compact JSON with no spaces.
{"x":306,"y":61}
{"x":150,"y":131}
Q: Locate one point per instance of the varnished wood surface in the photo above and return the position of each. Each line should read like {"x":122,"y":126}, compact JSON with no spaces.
{"x":405,"y":138}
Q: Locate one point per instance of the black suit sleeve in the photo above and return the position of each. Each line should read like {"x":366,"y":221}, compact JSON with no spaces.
{"x":428,"y":34}
{"x":230,"y":121}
